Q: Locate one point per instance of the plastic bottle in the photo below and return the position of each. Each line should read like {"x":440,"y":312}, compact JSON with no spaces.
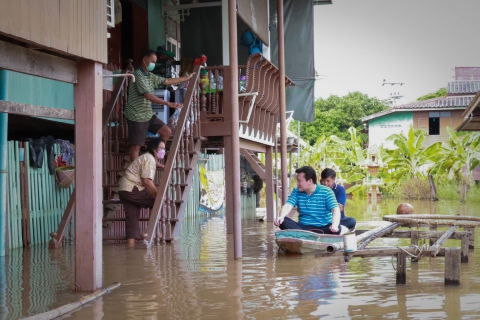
{"x":213,"y":85}
{"x":220,"y":83}
{"x":241,"y":83}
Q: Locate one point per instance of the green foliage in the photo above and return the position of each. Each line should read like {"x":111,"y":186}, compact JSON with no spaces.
{"x":473,"y":194}
{"x":442,"y":92}
{"x":414,"y":189}
{"x":335,"y":115}
{"x":447,"y":190}
{"x":407,"y":160}
{"x":406,"y":173}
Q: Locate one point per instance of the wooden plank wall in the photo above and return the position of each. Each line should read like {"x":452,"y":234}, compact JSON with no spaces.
{"x":420,"y":121}
{"x":77,"y":27}
{"x":46,"y":201}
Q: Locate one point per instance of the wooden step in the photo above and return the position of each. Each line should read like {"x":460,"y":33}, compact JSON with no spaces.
{"x":140,"y":219}
{"x":112,"y":201}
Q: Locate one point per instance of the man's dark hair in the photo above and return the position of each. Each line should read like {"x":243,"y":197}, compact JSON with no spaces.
{"x":328,"y":173}
{"x":147,"y":53}
{"x":153,"y":144}
{"x":309,"y":173}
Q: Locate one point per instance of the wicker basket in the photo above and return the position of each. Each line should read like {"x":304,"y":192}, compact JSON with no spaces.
{"x":65,"y":176}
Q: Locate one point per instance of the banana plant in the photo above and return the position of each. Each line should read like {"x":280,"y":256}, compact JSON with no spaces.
{"x":458,"y":157}
{"x":409,"y":159}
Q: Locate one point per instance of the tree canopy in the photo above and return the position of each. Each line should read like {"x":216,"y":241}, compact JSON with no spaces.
{"x":442,"y":92}
{"x":335,"y":115}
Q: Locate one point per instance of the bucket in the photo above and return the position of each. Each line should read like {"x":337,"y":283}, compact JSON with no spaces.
{"x":350,"y":242}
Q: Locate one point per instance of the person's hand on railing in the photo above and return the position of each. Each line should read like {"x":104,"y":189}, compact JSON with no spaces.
{"x":175,"y":105}
{"x":191,"y":75}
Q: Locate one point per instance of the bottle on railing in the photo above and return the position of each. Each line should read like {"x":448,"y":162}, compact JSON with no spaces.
{"x":213,"y":84}
{"x":241,"y":84}
{"x":220,"y":83}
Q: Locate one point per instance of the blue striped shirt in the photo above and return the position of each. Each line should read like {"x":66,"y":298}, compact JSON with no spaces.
{"x":316,"y":209}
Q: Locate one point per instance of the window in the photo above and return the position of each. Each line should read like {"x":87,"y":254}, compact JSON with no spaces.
{"x":433,"y":125}
{"x":174,"y":46}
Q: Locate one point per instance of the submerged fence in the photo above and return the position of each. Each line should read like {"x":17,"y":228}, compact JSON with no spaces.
{"x":35,"y":202}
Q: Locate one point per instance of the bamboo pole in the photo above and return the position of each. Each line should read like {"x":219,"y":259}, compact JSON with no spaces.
{"x":334,"y":247}
{"x":380,"y":233}
{"x":55,"y":313}
{"x":434,"y":249}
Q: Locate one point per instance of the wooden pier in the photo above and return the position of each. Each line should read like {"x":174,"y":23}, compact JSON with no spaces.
{"x":454,"y":257}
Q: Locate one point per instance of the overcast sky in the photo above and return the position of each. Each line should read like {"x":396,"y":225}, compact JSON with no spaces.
{"x":358,"y":43}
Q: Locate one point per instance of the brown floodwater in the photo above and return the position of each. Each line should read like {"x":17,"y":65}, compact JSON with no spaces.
{"x":196,"y":278}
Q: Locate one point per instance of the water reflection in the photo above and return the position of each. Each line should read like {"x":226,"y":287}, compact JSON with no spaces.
{"x":197,"y":278}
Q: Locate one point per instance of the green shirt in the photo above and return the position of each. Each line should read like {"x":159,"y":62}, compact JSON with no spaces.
{"x":138,"y":108}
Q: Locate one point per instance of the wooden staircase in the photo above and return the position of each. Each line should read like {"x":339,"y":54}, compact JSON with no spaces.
{"x":163,"y":221}
{"x":259,"y":168}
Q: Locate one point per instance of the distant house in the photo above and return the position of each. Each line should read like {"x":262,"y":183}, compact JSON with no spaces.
{"x":433,"y":115}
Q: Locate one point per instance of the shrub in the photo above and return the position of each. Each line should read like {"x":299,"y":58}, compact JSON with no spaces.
{"x":414,"y":189}
{"x":473,"y":194}
{"x":447,"y":190}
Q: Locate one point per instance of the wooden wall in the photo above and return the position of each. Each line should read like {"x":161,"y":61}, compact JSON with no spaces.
{"x":420,"y":121}
{"x":75,"y":27}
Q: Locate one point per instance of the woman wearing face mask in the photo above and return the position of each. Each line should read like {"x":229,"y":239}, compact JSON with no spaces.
{"x":139,"y":114}
{"x":137,"y":189}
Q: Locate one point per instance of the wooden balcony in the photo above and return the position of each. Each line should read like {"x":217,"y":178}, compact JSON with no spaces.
{"x":258,"y":101}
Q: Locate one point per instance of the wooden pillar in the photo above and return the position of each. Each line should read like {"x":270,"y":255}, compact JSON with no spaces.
{"x":401,"y":268}
{"x":465,"y":245}
{"x":282,"y":100}
{"x":414,"y":238}
{"x":232,"y":100}
{"x":471,"y":237}
{"x":452,"y":266}
{"x":88,"y":176}
{"x":3,"y":181}
{"x":230,"y":187}
{"x":269,"y":190}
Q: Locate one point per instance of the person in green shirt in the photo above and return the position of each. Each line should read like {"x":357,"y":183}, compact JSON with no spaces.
{"x":139,"y":114}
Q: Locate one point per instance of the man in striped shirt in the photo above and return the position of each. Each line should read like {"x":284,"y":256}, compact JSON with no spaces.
{"x":139,"y":114}
{"x":316,"y":204}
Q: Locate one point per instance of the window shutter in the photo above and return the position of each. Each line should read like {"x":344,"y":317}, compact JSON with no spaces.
{"x":423,"y":124}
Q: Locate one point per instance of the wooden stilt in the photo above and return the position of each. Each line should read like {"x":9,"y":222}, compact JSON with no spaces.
{"x":282,"y":100}
{"x":401,"y":268}
{"x":414,"y":238}
{"x":432,"y":240}
{"x":471,"y":238}
{"x":452,"y":266}
{"x":232,"y":98}
{"x":88,"y":176}
{"x":270,"y":205}
{"x":465,"y":245}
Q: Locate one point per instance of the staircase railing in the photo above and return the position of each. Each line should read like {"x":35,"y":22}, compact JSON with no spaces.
{"x":178,"y":172}
{"x":109,"y":116}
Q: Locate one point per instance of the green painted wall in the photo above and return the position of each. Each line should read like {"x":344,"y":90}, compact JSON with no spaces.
{"x":380,"y":128}
{"x":28,"y":89}
{"x":156,"y":24}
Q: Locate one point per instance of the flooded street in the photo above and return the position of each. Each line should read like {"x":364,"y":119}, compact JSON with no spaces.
{"x":196,"y":278}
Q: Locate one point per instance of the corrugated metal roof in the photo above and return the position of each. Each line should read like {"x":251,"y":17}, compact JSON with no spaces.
{"x":444,"y":102}
{"x":462,"y":87}
{"x":449,"y":102}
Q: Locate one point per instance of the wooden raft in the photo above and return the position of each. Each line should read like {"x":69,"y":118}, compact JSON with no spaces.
{"x":453,"y":256}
